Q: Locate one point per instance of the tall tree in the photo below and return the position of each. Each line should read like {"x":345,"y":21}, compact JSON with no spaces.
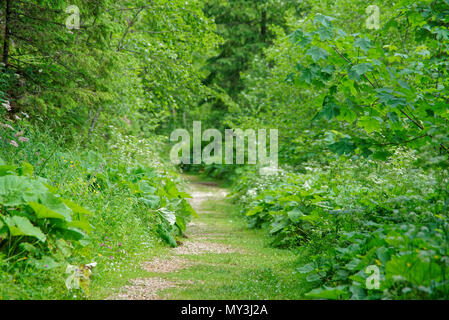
{"x":247,"y":30}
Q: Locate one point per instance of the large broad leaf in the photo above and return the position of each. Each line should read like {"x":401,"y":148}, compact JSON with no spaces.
{"x":387,"y":97}
{"x":26,"y":169}
{"x":370,"y":124}
{"x":343,"y":146}
{"x":21,"y":226}
{"x":146,"y":188}
{"x":325,"y":21}
{"x":76,"y":208}
{"x":330,"y":110}
{"x":45,"y":263}
{"x":170,"y":188}
{"x":411,"y":268}
{"x":354,"y":264}
{"x":358,"y":70}
{"x":181,"y":223}
{"x":81,"y":224}
{"x":295,"y":214}
{"x":168,"y":215}
{"x":363,"y":43}
{"x":188,"y":209}
{"x":279,"y":223}
{"x":317,"y":53}
{"x":6,"y":169}
{"x":44,"y":212}
{"x":51,"y":207}
{"x":166,"y":235}
{"x":254,"y":210}
{"x":307,"y":268}
{"x":325,"y":33}
{"x":298,"y":37}
{"x":16,"y":191}
{"x":152,"y":201}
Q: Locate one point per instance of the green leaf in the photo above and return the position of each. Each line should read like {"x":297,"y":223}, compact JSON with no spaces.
{"x":44,"y":212}
{"x":307,"y":75}
{"x":325,"y":33}
{"x":76,"y":208}
{"x":414,"y":270}
{"x":363,"y":43}
{"x":7,"y":169}
{"x":386,"y":97}
{"x":166,"y":235}
{"x":353,"y":264}
{"x":15,"y":191}
{"x":325,"y":21}
{"x":359,"y":69}
{"x":26,"y":169}
{"x":56,"y":204}
{"x":278,"y":224}
{"x":313,"y":277}
{"x":146,"y":188}
{"x":442,"y":33}
{"x":152,"y":201}
{"x":330,"y":110}
{"x":181,"y":223}
{"x":255,"y":210}
{"x":168,"y":215}
{"x":383,"y":255}
{"x":370,"y":124}
{"x":317,"y":53}
{"x":64,"y":247}
{"x":343,"y":146}
{"x":393,"y":117}
{"x":46,"y":263}
{"x":28,"y":247}
{"x":347,"y":114}
{"x":19,"y":226}
{"x":295,"y":214}
{"x":298,"y":37}
{"x":307,"y":268}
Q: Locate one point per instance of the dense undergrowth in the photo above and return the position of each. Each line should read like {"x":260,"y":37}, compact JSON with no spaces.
{"x":72,"y":216}
{"x":347,"y":216}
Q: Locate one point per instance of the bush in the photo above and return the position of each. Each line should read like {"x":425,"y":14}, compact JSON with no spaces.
{"x":351,"y":215}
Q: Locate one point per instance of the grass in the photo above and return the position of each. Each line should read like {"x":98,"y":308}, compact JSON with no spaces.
{"x":255,"y":271}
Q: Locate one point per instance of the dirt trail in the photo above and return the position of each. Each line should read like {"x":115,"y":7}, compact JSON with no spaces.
{"x":220,"y":258}
{"x":199,"y":233}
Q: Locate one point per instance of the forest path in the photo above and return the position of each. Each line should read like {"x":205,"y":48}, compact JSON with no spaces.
{"x":220,"y":258}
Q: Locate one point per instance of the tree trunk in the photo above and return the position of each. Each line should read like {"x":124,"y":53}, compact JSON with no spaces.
{"x":263,"y":25}
{"x":7,"y":33}
{"x":94,"y":122}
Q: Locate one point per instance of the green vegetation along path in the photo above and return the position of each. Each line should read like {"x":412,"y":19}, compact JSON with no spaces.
{"x":219,"y":259}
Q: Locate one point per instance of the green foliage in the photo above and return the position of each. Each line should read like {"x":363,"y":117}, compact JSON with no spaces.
{"x":362,"y":116}
{"x":348,"y":216}
{"x":34,"y":220}
{"x":382,"y":81}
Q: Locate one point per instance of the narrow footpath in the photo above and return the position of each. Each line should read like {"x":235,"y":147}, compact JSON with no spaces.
{"x":220,"y":258}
